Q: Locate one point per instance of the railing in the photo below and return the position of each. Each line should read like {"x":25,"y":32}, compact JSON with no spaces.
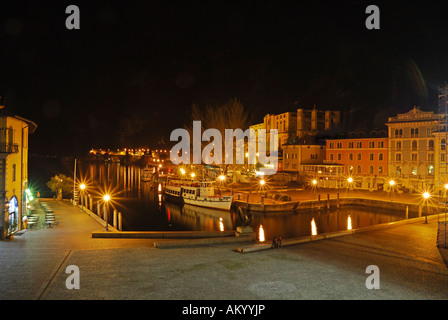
{"x":9,"y":148}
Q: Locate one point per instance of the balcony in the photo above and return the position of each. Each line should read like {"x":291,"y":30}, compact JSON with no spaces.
{"x":9,"y":148}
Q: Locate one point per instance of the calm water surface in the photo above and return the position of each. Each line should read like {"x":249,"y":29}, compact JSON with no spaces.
{"x":143,"y":208}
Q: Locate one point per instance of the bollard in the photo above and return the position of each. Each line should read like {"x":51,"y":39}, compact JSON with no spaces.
{"x":115,"y":218}
{"x":407,"y":212}
{"x":328,"y":201}
{"x":85,"y":202}
{"x":105,"y":217}
{"x":119,"y":221}
{"x":318,"y":201}
{"x":419,"y":210}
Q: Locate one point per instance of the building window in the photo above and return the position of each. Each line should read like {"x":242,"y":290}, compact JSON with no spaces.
{"x":398,"y":171}
{"x":414,"y":171}
{"x":359,"y":157}
{"x":431,"y":145}
{"x":431,"y":157}
{"x":359,"y":144}
{"x":371,"y":144}
{"x":380,"y":157}
{"x":14,"y":172}
{"x":358,"y":169}
{"x":380,"y":144}
{"x":339,"y":145}
{"x":380,"y":170}
{"x":339,"y":156}
{"x":371,"y":157}
{"x":371,"y":169}
{"x":331,"y":156}
{"x":350,"y":156}
{"x":331,"y":145}
{"x":398,"y":145}
{"x":398,"y":157}
{"x":443,"y":145}
{"x":431,"y":170}
{"x":414,"y":156}
{"x":442,"y":157}
{"x":350,"y":145}
{"x":414,"y":145}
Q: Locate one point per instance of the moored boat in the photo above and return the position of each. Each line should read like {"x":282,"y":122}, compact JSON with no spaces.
{"x":203,"y":195}
{"x":173,"y":188}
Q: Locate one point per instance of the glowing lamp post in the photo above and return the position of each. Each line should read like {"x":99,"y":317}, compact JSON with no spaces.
{"x":314,"y":182}
{"x":391,"y":186}
{"x":82,"y":186}
{"x":106,"y":199}
{"x":350,"y":184}
{"x":182,"y":172}
{"x":426,"y":195}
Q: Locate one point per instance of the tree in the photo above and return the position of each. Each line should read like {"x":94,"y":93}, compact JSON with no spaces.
{"x":60,"y":184}
{"x":230,"y":115}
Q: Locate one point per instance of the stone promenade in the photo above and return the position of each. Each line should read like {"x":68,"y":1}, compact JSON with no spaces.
{"x":33,"y":266}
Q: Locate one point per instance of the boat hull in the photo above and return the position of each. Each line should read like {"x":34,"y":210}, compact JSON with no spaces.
{"x":222,"y":204}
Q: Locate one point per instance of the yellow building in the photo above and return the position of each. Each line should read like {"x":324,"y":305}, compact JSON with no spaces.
{"x":14,"y":132}
{"x":412,"y":148}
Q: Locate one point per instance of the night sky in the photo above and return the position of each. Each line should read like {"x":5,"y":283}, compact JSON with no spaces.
{"x":132,"y":72}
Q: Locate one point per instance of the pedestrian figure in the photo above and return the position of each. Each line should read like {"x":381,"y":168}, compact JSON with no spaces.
{"x":279,"y":242}
{"x":274,"y":243}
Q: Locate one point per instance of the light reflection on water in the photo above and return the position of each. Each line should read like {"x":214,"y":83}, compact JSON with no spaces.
{"x":143,"y":208}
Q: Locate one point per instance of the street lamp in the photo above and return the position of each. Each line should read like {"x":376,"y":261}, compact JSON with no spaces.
{"x":82,"y":186}
{"x":426,"y":195}
{"x":262,"y":182}
{"x":314,"y":182}
{"x":182,"y":172}
{"x":106,"y":199}
{"x":391,"y":185}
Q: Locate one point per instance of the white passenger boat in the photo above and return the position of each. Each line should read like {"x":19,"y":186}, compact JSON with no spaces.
{"x":203,"y":195}
{"x":173,"y":188}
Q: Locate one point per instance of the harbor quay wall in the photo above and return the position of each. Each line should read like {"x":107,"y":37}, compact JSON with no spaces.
{"x":331,"y":204}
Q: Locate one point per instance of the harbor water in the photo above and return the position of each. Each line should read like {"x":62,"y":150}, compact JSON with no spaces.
{"x":143,"y":207}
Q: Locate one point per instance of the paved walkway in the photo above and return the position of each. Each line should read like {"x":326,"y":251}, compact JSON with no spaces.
{"x":32,"y":266}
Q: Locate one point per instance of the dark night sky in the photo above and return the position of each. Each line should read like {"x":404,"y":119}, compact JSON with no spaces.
{"x":134,"y":68}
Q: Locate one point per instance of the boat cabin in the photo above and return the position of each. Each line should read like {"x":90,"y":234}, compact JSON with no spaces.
{"x":205,"y":189}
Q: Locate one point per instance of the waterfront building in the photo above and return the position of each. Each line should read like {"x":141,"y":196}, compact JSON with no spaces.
{"x":14,"y":132}
{"x":285,"y":123}
{"x":364,"y":157}
{"x":304,"y":160}
{"x":412,"y":151}
{"x":313,"y":122}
